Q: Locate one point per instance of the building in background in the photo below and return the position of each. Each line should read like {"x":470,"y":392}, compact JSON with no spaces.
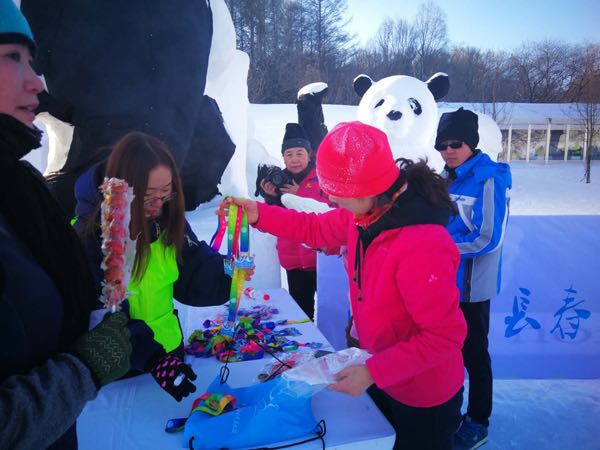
{"x":540,"y":131}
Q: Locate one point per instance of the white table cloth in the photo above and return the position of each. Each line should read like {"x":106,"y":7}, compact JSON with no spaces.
{"x":132,"y":413}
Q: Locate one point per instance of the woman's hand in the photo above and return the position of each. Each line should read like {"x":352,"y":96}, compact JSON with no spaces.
{"x":290,"y":188}
{"x":249,"y":206}
{"x":353,"y":380}
{"x":269,"y":188}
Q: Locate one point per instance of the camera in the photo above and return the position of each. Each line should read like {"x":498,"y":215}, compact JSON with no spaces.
{"x":273,"y":174}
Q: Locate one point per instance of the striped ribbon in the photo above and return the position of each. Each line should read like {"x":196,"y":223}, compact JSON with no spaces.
{"x":238,"y":260}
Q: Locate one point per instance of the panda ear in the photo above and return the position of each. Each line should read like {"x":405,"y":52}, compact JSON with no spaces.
{"x":438,"y":84}
{"x":362,"y":83}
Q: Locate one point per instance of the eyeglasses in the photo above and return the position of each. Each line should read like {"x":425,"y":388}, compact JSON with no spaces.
{"x":149,"y":201}
{"x":442,"y":147}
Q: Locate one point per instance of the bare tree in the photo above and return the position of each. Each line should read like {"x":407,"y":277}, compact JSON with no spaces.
{"x":585,"y":91}
{"x":291,"y":43}
{"x":395,"y":43}
{"x":330,"y":46}
{"x":540,"y":71}
{"x":495,"y":86}
{"x":431,"y":38}
{"x":466,"y":69}
{"x":328,"y":38}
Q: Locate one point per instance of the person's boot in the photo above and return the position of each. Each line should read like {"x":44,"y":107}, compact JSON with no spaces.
{"x":470,"y":435}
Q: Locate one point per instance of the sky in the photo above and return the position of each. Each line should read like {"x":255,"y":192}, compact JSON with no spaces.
{"x":489,"y":24}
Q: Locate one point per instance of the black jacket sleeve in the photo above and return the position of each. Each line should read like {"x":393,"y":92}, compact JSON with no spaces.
{"x":92,"y":247}
{"x":202,"y":280}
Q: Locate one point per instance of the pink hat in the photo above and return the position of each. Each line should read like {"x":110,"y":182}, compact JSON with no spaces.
{"x":355,"y":160}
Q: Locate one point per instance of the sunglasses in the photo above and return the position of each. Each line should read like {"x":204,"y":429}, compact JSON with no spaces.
{"x":454,"y":145}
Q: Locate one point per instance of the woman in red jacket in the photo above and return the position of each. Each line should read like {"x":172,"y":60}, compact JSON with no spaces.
{"x":299,"y":261}
{"x":402,"y":266}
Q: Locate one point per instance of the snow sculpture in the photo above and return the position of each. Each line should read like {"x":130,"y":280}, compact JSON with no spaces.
{"x":226,"y":82}
{"x":405,"y":109}
{"x":148,"y":76}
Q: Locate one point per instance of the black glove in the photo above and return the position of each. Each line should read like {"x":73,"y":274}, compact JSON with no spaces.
{"x":174,"y":376}
{"x":105,"y":349}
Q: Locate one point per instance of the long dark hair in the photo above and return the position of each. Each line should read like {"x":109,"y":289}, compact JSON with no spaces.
{"x":425,"y":182}
{"x":133,"y":157}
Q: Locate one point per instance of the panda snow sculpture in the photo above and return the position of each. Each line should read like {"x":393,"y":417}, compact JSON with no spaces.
{"x":405,"y":109}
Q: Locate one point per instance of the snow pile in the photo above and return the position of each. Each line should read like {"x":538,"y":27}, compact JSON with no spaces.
{"x":556,"y":188}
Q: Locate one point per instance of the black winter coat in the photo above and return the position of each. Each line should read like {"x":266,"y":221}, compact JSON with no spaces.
{"x":42,"y":391}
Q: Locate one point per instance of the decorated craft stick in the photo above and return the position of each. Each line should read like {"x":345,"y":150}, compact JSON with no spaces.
{"x":117,"y":249}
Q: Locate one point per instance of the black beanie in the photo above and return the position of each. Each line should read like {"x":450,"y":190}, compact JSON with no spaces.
{"x":295,"y":137}
{"x":461,"y":125}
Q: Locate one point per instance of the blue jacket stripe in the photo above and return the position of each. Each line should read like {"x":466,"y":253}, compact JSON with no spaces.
{"x":479,"y":241}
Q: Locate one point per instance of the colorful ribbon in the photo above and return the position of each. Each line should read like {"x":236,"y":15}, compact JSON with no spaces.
{"x":214,"y":404}
{"x":217,"y":238}
{"x":237,"y":262}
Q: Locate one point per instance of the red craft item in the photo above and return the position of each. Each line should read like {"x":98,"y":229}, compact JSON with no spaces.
{"x":117,"y":248}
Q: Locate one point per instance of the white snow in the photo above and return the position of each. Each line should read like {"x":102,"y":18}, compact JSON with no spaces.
{"x":312,"y":88}
{"x":303,"y":204}
{"x":555,"y":188}
{"x":545,"y":414}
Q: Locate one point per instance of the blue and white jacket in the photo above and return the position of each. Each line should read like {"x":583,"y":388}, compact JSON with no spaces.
{"x":481,"y":195}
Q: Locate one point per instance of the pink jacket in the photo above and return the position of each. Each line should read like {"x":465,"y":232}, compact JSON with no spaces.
{"x":409,"y":317}
{"x":293,"y":255}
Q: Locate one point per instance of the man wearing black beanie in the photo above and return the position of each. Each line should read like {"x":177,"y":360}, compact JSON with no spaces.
{"x":479,"y":187}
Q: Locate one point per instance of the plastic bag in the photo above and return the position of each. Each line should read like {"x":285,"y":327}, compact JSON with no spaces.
{"x":285,"y":361}
{"x":264,"y":413}
{"x":322,"y":371}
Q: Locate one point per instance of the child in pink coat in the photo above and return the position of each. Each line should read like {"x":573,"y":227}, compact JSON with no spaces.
{"x":402,"y":267}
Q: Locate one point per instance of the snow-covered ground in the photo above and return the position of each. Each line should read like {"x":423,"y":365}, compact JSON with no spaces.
{"x":545,"y":414}
{"x":556,"y":188}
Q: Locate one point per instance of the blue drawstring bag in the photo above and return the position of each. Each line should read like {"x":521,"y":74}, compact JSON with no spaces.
{"x":275,"y":411}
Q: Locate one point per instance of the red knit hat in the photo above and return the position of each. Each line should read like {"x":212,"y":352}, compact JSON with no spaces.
{"x":355,"y":160}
